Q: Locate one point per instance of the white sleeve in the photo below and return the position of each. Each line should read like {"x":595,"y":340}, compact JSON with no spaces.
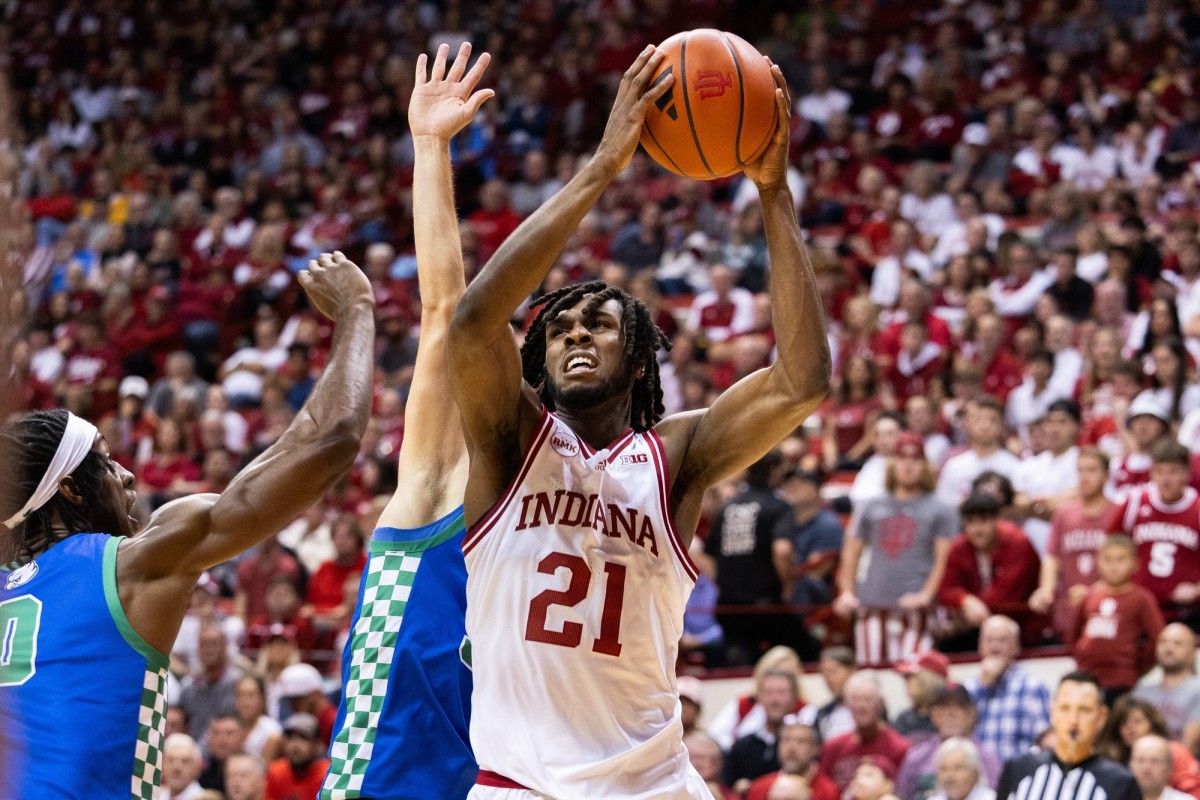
{"x":724,"y":724}
{"x":885,"y":283}
{"x":743,"y":312}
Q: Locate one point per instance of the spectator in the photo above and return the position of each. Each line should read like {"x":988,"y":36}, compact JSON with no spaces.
{"x":325,"y":592}
{"x":1077,"y":530}
{"x":1014,"y":706}
{"x":871,"y":737}
{"x":745,"y":715}
{"x":204,"y":611}
{"x":960,"y":772}
{"x":907,"y":536}
{"x":1147,"y":422}
{"x":701,"y":632}
{"x":850,"y":421}
{"x":725,"y":310}
{"x":210,"y":691}
{"x":954,"y":717}
{"x":302,"y":687}
{"x":691,"y":699}
{"x":255,"y":573}
{"x":871,"y":481}
{"x":181,"y":767}
{"x":984,"y":423}
{"x":741,"y":542}
{"x":242,"y":374}
{"x":755,"y":754}
{"x":1176,"y":694}
{"x":837,"y":664}
{"x":799,"y":750}
{"x":179,"y":378}
{"x":709,"y":762}
{"x":1116,"y":623}
{"x":536,"y":185}
{"x":264,"y":737}
{"x":1151,"y":763}
{"x":920,"y":418}
{"x":925,"y":676}
{"x":992,"y":568}
{"x":808,"y":542}
{"x":301,"y":770}
{"x":1030,"y":401}
{"x":1171,"y":380}
{"x":225,"y":737}
{"x":245,"y":778}
{"x":1050,"y":478}
{"x":873,"y":780}
{"x":1130,"y":720}
{"x":640,"y":244}
{"x":905,"y":257}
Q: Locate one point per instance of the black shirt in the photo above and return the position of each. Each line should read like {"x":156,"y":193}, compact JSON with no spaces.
{"x":750,"y":757}
{"x":1041,"y":776}
{"x":742,"y":535}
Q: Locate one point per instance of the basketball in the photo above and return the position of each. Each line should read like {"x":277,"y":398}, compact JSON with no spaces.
{"x":720,"y":114}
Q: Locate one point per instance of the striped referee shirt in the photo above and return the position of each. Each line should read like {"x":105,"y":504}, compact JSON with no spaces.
{"x":1041,"y":776}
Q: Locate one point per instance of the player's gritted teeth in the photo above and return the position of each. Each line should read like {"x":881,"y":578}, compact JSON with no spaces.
{"x":578,"y":362}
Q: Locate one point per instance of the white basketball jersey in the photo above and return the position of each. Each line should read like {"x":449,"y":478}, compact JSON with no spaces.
{"x":576,"y":586}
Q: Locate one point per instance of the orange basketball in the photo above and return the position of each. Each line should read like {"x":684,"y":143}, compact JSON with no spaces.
{"x":720,"y":113}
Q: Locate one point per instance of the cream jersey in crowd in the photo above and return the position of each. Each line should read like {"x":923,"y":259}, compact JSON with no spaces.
{"x":576,"y":585}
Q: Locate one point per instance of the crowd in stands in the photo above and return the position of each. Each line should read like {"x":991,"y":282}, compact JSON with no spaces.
{"x":1002,"y":199}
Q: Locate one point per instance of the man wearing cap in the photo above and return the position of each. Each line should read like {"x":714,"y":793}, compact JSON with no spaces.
{"x":302,"y":686}
{"x":925,"y":675}
{"x":953,"y":714}
{"x":1070,"y":769}
{"x":907,"y":534}
{"x":799,"y":751}
{"x":299,"y":773}
{"x":1047,"y":480}
{"x":1147,"y":422}
{"x":991,"y":568}
{"x":808,"y":541}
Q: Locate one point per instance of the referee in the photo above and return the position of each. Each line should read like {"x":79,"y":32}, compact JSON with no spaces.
{"x":1072,"y":770}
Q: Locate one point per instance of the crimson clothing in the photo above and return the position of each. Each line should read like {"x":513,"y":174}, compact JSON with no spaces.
{"x":1167,"y":538}
{"x":819,"y":787}
{"x":1005,"y":585}
{"x":937,"y":331}
{"x":843,"y":754}
{"x":326,"y":588}
{"x":159,"y":476}
{"x":283,"y":783}
{"x":254,"y":576}
{"x":850,"y":420}
{"x":492,"y":228}
{"x":1113,"y":634}
{"x":298,"y":629}
{"x":1075,"y":537}
{"x":910,"y":377}
{"x":1002,"y":375}
{"x":1132,"y":471}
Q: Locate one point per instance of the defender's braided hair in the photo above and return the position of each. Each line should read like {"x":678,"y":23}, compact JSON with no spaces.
{"x":31,"y":443}
{"x":642,"y":340}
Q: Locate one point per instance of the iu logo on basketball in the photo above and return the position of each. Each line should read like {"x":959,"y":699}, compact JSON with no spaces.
{"x":712,"y":83}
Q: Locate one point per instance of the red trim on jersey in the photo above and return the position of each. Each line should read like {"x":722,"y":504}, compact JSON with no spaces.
{"x":624,"y":442}
{"x":480,"y":529}
{"x":586,"y":448}
{"x":659,"y":454}
{"x":1180,"y":505}
{"x":497,"y":781}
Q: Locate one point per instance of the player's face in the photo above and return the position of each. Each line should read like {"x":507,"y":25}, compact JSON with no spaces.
{"x":1092,"y":477}
{"x":1116,"y":565}
{"x":1077,"y":716}
{"x":113,"y":509}
{"x":585,"y":356}
{"x":1171,"y":480}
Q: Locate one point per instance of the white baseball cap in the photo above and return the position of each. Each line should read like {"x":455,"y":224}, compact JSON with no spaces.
{"x":977,"y":134}
{"x":299,"y":680}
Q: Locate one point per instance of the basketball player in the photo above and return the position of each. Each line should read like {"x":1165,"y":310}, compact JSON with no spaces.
{"x":1163,"y":519}
{"x":582,"y":504}
{"x":89,"y":606}
{"x":401,"y":731}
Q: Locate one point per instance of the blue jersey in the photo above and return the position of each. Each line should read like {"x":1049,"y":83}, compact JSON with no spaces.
{"x":82,"y":707}
{"x":403,"y":727}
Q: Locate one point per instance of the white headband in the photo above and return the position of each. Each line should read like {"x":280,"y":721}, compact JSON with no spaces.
{"x":77,"y":441}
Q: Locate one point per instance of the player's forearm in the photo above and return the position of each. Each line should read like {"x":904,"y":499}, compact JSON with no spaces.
{"x":521,"y":263}
{"x":804,"y":357}
{"x":435,"y":228}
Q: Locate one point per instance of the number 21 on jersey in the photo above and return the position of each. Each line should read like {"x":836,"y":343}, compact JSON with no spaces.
{"x":578,"y":586}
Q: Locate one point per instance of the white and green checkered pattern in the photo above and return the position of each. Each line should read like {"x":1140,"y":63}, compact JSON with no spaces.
{"x":385,"y":596}
{"x":152,"y":717}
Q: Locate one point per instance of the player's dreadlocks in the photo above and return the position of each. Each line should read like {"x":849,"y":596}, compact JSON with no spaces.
{"x":31,"y":443}
{"x":643,"y":339}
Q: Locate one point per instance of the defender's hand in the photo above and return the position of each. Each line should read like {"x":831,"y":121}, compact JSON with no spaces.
{"x":770,"y":170}
{"x":444,"y":102}
{"x":334,"y":284}
{"x":628,"y":114}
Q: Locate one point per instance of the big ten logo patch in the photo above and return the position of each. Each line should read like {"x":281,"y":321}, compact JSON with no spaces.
{"x":635,"y":458}
{"x":563,"y":444}
{"x":897,"y":534}
{"x":712,"y":83}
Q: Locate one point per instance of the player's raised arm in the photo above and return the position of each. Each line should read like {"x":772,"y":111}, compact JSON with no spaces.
{"x":433,"y":462}
{"x":158,"y":566}
{"x":763,"y":408}
{"x":485,"y":363}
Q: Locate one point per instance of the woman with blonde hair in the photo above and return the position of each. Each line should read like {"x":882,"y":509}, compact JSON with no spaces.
{"x":744,"y":715}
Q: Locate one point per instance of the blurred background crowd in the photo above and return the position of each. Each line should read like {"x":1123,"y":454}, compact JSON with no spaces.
{"x":1001,"y":201}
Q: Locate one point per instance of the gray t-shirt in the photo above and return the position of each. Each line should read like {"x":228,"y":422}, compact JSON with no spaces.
{"x":1179,"y":706}
{"x":898,"y":538}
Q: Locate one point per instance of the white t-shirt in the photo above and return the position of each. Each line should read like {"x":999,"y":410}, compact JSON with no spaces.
{"x":959,"y":471}
{"x":1088,"y":171}
{"x":249,"y":384}
{"x":820,"y":107}
{"x":1025,"y":406}
{"x":1046,"y":475}
{"x":885,"y":281}
{"x":930,"y":215}
{"x":1092,"y":267}
{"x":264,"y":728}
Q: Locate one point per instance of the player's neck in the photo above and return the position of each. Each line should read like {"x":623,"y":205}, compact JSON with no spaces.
{"x":601,"y":424}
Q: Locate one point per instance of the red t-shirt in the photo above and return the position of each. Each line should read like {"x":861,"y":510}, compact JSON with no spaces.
{"x":1113,"y":634}
{"x":843,"y":754}
{"x":1167,"y":538}
{"x":1015,"y":567}
{"x":819,"y":787}
{"x":254,"y":577}
{"x":1132,"y":471}
{"x":1075,"y":537}
{"x":284,"y":784}
{"x":326,"y":588}
{"x":160,"y":476}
